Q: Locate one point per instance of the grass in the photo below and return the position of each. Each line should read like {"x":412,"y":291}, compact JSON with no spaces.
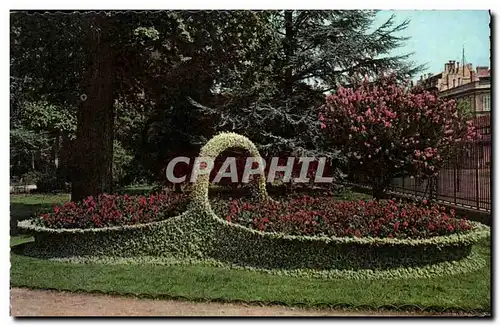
{"x":466,"y":293}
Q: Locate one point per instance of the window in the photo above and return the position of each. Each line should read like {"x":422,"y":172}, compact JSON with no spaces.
{"x":458,"y":82}
{"x":486,"y":102}
{"x":453,"y":82}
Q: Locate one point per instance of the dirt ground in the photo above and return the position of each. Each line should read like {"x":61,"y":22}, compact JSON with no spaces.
{"x":26,"y":302}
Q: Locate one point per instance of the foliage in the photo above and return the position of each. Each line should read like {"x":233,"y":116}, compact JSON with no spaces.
{"x":332,"y":47}
{"x":121,"y":163}
{"x":218,"y":45}
{"x":43,"y":116}
{"x":388,"y":130}
{"x":52,"y":180}
{"x":31,"y":177}
{"x":465,"y":109}
{"x":23,"y":144}
{"x":33,"y":135}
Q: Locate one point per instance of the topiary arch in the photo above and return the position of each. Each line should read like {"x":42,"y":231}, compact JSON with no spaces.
{"x":213,"y":148}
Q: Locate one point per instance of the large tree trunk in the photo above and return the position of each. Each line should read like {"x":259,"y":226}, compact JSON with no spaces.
{"x":93,"y":155}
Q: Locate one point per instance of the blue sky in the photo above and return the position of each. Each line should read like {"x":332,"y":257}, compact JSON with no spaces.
{"x":439,"y":35}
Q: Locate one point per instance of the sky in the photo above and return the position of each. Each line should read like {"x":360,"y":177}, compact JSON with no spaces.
{"x":438,"y":36}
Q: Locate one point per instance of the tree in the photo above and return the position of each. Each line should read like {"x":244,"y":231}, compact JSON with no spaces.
{"x":388,"y":130}
{"x":306,"y":53}
{"x":332,"y":47}
{"x":183,"y":76}
{"x":465,"y":109}
{"x":89,"y":60}
{"x":215,"y":61}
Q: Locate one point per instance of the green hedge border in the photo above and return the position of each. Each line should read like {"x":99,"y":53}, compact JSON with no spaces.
{"x":200,"y":234}
{"x":470,"y":263}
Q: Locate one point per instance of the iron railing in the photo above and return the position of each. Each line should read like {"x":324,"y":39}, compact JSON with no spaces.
{"x":464,"y":180}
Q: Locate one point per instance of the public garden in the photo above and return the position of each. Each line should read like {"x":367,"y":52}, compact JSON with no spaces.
{"x":101,"y":103}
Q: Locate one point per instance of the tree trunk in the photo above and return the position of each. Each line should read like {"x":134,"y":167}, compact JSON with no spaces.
{"x":55,"y":150}
{"x":379,"y":188}
{"x":33,"y":160}
{"x":289,"y":51}
{"x":94,"y":135}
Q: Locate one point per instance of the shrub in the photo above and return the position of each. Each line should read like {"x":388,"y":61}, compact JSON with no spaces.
{"x":114,"y":210}
{"x":322,"y":216}
{"x":388,"y":130}
{"x":52,"y":180}
{"x":31,"y":177}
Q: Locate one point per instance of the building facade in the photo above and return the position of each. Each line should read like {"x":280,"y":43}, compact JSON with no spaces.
{"x":463,"y":83}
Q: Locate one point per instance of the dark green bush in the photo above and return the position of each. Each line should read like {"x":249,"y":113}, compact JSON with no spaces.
{"x":51,"y":181}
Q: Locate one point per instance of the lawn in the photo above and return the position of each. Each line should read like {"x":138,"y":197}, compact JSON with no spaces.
{"x":466,"y":292}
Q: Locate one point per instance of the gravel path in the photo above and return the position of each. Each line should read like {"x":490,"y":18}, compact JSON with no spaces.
{"x":26,"y":302}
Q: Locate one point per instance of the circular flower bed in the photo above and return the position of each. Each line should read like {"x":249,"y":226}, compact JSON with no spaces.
{"x":325,"y":216}
{"x":353,"y":239}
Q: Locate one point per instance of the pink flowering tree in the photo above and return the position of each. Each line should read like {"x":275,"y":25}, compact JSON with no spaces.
{"x":388,"y":130}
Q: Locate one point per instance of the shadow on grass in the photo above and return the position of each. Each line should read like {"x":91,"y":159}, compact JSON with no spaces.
{"x":19,"y":212}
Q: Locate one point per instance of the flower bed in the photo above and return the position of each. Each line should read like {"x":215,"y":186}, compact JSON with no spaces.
{"x":325,"y":216}
{"x":114,"y":210}
{"x":305,"y":215}
{"x":432,"y":243}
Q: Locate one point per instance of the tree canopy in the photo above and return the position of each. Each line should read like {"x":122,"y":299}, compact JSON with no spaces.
{"x":157,"y":84}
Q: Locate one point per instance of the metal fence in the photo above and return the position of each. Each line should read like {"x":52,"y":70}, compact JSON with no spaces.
{"x":464,"y":180}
